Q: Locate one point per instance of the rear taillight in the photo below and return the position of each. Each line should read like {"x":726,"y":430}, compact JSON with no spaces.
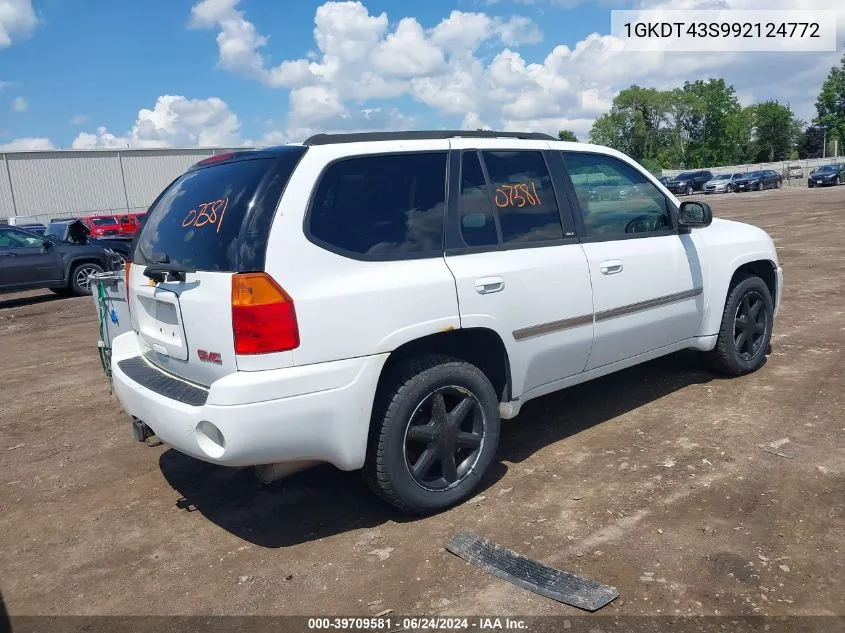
{"x":263,"y":316}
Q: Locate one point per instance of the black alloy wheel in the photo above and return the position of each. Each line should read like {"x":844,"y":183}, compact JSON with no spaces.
{"x":750,"y":325}
{"x":745,"y":331}
{"x":433,"y":435}
{"x":444,"y":438}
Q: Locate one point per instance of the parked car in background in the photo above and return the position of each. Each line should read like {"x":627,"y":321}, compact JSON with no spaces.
{"x":827,"y":175}
{"x":74,"y":231}
{"x":33,"y":228}
{"x":758,"y":180}
{"x":723,"y":183}
{"x":793,"y":172}
{"x":29,"y":261}
{"x":102,"y":225}
{"x":689,"y":182}
{"x":478,"y":285}
{"x":129,"y":223}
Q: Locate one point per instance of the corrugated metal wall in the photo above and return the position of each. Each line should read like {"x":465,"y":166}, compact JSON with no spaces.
{"x":63,"y":183}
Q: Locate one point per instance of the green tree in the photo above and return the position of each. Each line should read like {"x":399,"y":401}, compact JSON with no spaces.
{"x":567,"y":135}
{"x":716,"y":127}
{"x":811,"y":142}
{"x":634,"y":123}
{"x":830,"y":105}
{"x":609,"y":129}
{"x":776,"y":131}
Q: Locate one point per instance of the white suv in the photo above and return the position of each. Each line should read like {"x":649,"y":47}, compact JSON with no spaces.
{"x":381,"y":301}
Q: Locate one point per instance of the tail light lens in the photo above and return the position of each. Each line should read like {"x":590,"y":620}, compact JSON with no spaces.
{"x":263,"y":316}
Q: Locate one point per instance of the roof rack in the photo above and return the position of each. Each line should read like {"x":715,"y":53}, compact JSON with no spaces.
{"x":329,"y":139}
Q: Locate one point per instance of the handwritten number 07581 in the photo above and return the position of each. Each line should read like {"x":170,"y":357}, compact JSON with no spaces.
{"x":207,"y":213}
{"x":517,"y":195}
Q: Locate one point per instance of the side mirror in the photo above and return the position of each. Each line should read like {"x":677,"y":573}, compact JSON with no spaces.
{"x":47,"y":244}
{"x":694,"y":215}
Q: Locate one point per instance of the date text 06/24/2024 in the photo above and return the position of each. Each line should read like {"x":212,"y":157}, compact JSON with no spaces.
{"x":417,"y":624}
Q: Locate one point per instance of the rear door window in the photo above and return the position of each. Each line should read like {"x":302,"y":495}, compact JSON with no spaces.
{"x":217,"y":218}
{"x":514,"y":204}
{"x":382,"y":206}
{"x":523,"y":195}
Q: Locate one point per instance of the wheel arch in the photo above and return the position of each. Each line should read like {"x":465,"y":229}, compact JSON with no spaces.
{"x":765,"y":269}
{"x":481,"y":347}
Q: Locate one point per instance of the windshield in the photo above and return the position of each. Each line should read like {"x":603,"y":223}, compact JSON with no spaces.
{"x":826,"y":168}
{"x":723,"y":177}
{"x":754,"y":174}
{"x":103,"y":221}
{"x":217,"y":218}
{"x":684,"y":176}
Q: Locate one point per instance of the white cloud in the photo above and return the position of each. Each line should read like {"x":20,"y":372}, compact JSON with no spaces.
{"x":19,"y":104}
{"x":473,"y":122}
{"x":174,"y":121}
{"x":26,"y":143}
{"x":311,"y":104}
{"x":207,"y":13}
{"x":78,"y":119}
{"x":407,"y":53}
{"x":17,"y":21}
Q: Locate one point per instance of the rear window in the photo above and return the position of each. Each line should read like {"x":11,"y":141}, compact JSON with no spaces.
{"x":103,"y":221}
{"x":217,"y":218}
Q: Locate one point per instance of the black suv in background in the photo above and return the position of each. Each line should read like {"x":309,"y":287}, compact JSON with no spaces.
{"x":29,"y":261}
{"x":689,"y":182}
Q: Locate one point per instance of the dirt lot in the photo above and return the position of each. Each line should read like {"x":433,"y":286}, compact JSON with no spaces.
{"x":655,"y":480}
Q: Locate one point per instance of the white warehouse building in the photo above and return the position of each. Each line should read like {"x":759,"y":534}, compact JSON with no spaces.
{"x":36,"y":186}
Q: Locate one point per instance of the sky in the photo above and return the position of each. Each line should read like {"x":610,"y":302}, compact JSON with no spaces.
{"x":182,"y":73}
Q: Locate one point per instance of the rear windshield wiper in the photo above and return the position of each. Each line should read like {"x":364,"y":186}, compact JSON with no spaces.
{"x":163,"y":270}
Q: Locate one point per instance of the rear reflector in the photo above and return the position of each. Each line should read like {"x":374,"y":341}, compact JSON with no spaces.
{"x":263,"y":316}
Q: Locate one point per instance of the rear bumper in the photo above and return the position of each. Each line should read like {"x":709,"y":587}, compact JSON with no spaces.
{"x":315,"y":412}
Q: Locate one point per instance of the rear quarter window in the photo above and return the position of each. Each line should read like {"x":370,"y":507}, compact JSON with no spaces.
{"x":217,"y":218}
{"x":381,"y":207}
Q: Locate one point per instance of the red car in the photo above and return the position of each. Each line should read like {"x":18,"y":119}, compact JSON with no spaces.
{"x":130,"y":223}
{"x":102,"y":225}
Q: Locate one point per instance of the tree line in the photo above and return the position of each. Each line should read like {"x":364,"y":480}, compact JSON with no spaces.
{"x":703,"y":124}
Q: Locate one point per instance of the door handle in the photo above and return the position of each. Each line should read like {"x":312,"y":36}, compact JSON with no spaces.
{"x":489,"y":285}
{"x":610,"y":267}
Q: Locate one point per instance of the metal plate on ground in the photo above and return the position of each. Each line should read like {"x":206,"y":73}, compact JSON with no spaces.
{"x":529,"y":574}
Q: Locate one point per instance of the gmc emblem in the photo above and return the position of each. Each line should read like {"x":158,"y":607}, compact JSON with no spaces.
{"x":210,"y":357}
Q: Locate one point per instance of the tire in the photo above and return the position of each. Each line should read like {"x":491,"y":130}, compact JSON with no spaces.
{"x":838,"y":181}
{"x":760,"y":186}
{"x":729,"y":189}
{"x":690,"y":190}
{"x":406,"y":399}
{"x":79,"y":275}
{"x":729,"y":357}
{"x":777,"y":184}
